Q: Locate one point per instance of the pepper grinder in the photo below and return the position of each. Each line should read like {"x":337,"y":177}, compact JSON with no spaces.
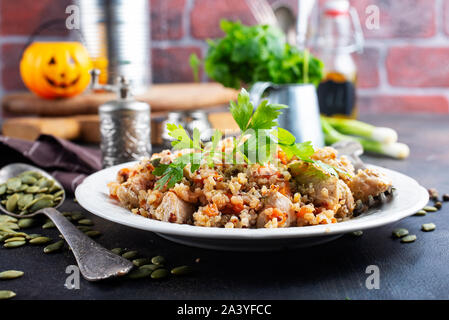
{"x":124,"y":126}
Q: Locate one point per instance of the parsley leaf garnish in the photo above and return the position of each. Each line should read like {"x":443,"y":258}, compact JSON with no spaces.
{"x":182,"y":139}
{"x":242,"y":111}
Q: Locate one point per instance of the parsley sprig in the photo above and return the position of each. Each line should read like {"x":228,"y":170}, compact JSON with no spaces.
{"x":257,"y":142}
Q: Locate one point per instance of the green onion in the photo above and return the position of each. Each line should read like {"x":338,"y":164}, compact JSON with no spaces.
{"x":394,"y":150}
{"x":362,"y":129}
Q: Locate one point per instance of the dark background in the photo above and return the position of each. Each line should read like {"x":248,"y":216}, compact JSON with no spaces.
{"x":335,"y":270}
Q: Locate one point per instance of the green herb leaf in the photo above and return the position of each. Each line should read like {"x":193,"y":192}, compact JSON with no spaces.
{"x":327,"y":168}
{"x":182,"y":139}
{"x":170,"y":175}
{"x":247,"y":54}
{"x":243,"y":110}
{"x":265,"y":116}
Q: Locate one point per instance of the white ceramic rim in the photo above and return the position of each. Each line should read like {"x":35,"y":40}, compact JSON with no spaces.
{"x":92,"y":195}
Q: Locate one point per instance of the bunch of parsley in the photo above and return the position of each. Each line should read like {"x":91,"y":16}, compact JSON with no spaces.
{"x":247,"y":54}
{"x":258,"y":142}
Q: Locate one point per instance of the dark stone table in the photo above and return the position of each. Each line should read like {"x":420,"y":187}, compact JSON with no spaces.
{"x":335,"y":270}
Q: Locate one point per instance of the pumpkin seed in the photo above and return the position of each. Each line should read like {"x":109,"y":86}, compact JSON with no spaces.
{"x":48,"y":225}
{"x":77,"y":216}
{"x":15,"y":234}
{"x":10,"y":225}
{"x":141,"y":261}
{"x":28,"y":179}
{"x":408,"y":239}
{"x":41,"y":204}
{"x":35,"y":174}
{"x":57,"y":246}
{"x":85,"y":222}
{"x":92,"y":233}
{"x":59,"y":193}
{"x":420,"y":213}
{"x":54,"y":188}
{"x":358,"y":233}
{"x":26,"y":223}
{"x":32,"y":189}
{"x":14,"y":244}
{"x":130,"y":255}
{"x":14,"y":239}
{"x":40,"y":240}
{"x":42,"y":190}
{"x":428,"y":227}
{"x":151,"y":267}
{"x":10,"y":274}
{"x":45,"y":183}
{"x":182,"y":270}
{"x":24,"y":200}
{"x":84,"y":228}
{"x":2,"y":189}
{"x":14,"y":183}
{"x":400,"y":232}
{"x":160,"y":260}
{"x":159,"y":273}
{"x":430,"y":209}
{"x":139,"y":273}
{"x":7,"y":294}
{"x":11,"y":204}
{"x":57,"y":200}
{"x":117,"y":251}
{"x":6,"y":218}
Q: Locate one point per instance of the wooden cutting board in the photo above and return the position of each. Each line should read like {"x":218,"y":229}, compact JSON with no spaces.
{"x":86,"y":128}
{"x":161,"y":97}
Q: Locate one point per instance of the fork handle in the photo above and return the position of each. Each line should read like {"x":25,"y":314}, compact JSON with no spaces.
{"x":94,"y":261}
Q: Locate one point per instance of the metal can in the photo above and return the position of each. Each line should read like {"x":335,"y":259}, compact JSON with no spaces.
{"x":120,"y":33}
{"x":124,"y":128}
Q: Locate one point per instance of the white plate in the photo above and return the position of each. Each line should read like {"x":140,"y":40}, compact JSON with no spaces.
{"x":93,"y":195}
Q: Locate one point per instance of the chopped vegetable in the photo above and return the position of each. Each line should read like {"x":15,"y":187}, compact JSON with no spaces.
{"x":394,"y":150}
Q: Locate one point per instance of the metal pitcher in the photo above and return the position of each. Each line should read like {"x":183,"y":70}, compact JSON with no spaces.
{"x":302,"y":117}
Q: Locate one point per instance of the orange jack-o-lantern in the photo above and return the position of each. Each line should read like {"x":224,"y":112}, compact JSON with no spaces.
{"x":56,"y":69}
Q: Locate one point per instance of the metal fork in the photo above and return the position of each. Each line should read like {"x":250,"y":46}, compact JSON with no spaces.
{"x":262,"y":12}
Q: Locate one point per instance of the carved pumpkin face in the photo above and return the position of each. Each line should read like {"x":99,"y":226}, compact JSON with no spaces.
{"x":56,"y":69}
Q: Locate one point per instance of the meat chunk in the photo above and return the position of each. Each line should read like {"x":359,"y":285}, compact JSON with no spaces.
{"x":276,"y":206}
{"x":173,"y":209}
{"x":369,"y":182}
{"x":323,"y":189}
{"x":127,"y":197}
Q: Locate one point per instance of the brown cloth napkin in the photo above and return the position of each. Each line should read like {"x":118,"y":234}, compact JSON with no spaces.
{"x":67,"y":162}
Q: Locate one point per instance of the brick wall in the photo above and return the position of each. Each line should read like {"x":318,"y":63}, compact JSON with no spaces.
{"x":405,"y":66}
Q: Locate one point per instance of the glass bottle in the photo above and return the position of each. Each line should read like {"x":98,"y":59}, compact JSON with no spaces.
{"x":338,"y":37}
